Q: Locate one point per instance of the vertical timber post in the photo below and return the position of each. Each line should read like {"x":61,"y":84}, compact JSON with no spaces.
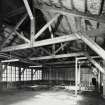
{"x":76,"y":76}
{"x":19,"y":77}
{"x":103,"y":81}
{"x":99,"y":82}
{"x":32,"y":74}
{"x":103,"y":85}
{"x":32,"y":20}
{"x":79,"y":74}
{"x":0,"y":75}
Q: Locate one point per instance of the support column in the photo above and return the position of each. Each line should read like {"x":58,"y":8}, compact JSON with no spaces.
{"x":93,"y":45}
{"x":0,"y":76}
{"x":19,"y":77}
{"x":76,"y":76}
{"x":104,"y":85}
{"x":31,"y":14}
{"x":32,"y":74}
{"x":79,"y":74}
{"x":99,"y":82}
{"x":103,"y":81}
{"x":19,"y":73}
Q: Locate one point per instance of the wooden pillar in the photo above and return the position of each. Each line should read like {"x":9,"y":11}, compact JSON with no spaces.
{"x":99,"y":82}
{"x":43,"y":75}
{"x":19,"y":73}
{"x":104,"y":85}
{"x":15,"y":73}
{"x":19,"y":77}
{"x":32,"y":74}
{"x":0,"y":75}
{"x":103,"y":81}
{"x":31,"y":13}
{"x":76,"y":76}
{"x":79,"y":73}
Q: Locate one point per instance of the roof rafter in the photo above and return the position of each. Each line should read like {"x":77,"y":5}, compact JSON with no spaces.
{"x":92,"y":44}
{"x":72,"y":13}
{"x":61,"y":47}
{"x":41,"y":43}
{"x":28,"y":9}
{"x":15,"y":28}
{"x":15,"y":12}
{"x":22,"y":37}
{"x":96,"y":64}
{"x":45,"y":27}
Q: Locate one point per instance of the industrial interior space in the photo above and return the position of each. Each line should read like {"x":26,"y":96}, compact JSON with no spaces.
{"x":52,"y":52}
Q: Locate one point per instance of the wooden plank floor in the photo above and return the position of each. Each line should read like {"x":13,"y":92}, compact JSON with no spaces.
{"x":53,"y":96}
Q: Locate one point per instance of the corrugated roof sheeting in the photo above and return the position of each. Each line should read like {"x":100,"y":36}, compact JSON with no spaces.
{"x":69,"y":24}
{"x":79,"y":5}
{"x":93,"y":6}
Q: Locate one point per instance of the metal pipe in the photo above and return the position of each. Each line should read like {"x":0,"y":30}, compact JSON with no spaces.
{"x":76,"y":76}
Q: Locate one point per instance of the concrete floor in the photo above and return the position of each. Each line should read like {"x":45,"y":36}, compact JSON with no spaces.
{"x":45,"y":96}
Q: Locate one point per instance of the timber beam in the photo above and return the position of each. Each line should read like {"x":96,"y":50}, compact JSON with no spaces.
{"x":45,"y":42}
{"x":22,"y":37}
{"x":32,"y":21}
{"x":92,"y":44}
{"x":62,"y":47}
{"x":52,"y":36}
{"x":46,"y":26}
{"x":7,"y":56}
{"x":97,"y":65}
{"x":16,"y":12}
{"x":45,"y":50}
{"x":58,"y":56}
{"x":15,"y":28}
{"x":28,"y":9}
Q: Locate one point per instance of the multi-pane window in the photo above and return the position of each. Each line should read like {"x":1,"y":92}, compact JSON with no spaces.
{"x":11,"y":74}
{"x":22,"y":74}
{"x":4,"y":75}
{"x":17,"y":73}
{"x":37,"y":74}
{"x":28,"y":74}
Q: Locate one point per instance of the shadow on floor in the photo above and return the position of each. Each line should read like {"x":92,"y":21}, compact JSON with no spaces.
{"x":8,"y":97}
{"x":91,"y":98}
{"x":44,"y":95}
